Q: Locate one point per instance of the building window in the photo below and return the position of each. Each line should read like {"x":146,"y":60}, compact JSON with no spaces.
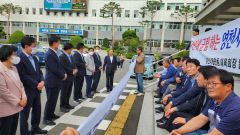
{"x":136,"y":13}
{"x":173,"y":25}
{"x":40,"y":11}
{"x":127,"y":13}
{"x":59,"y":26}
{"x":55,"y":13}
{"x":174,"y":6}
{"x":27,"y":11}
{"x":34,"y":11}
{"x":162,"y":7}
{"x":48,"y":13}
{"x":45,"y":25}
{"x":119,"y":15}
{"x":17,"y":24}
{"x":85,"y":14}
{"x":94,"y":14}
{"x":78,"y":13}
{"x":110,"y":14}
{"x":70,"y":13}
{"x":63,"y":13}
{"x":31,"y":24}
{"x":20,"y":11}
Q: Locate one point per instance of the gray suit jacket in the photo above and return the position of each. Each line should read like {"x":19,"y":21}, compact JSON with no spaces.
{"x":91,"y":65}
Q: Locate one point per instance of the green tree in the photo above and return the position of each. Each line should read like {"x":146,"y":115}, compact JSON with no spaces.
{"x":150,"y":10}
{"x":2,"y":33}
{"x":129,"y":34}
{"x":108,"y":11}
{"x":7,"y":9}
{"x":75,"y":40}
{"x":184,"y":14}
{"x":16,"y":37}
{"x":106,"y":43}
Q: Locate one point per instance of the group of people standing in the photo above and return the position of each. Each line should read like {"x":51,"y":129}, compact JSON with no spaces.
{"x":22,"y":82}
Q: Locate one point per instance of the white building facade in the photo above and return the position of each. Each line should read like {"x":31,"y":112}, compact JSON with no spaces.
{"x":166,"y":28}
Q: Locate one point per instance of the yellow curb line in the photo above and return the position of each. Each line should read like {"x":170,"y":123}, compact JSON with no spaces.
{"x":117,"y":125}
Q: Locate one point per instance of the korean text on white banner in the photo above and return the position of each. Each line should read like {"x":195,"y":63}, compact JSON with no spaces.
{"x":89,"y":126}
{"x":219,"y":47}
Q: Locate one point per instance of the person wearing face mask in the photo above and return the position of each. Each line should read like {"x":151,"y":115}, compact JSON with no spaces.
{"x":33,"y":82}
{"x":66,"y":61}
{"x":98,"y":67}
{"x":53,"y":80}
{"x":12,"y":93}
{"x":90,"y":70}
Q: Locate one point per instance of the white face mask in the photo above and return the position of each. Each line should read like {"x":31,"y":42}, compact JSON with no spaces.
{"x":91,"y":53}
{"x":34,"y":50}
{"x":15,"y":59}
{"x":97,"y":51}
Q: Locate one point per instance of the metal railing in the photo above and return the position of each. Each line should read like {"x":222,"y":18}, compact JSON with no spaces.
{"x":156,"y":64}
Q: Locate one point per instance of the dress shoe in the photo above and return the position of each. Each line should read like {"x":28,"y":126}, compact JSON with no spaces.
{"x":156,"y":96}
{"x":54,"y":117}
{"x":64,"y":109}
{"x":49,"y":122}
{"x":161,"y":109}
{"x":39,"y":131}
{"x":159,"y":102}
{"x":82,"y":98}
{"x":96,"y":91}
{"x":70,"y":107}
{"x":89,"y":96}
{"x":108,"y":90}
{"x":78,"y":101}
{"x":161,"y":125}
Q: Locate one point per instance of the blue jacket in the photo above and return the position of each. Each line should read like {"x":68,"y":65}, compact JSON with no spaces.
{"x":173,"y":79}
{"x":190,"y":93}
{"x":54,"y":70}
{"x":188,"y":46}
{"x":170,"y":73}
{"x":186,"y":85}
{"x":29,"y":77}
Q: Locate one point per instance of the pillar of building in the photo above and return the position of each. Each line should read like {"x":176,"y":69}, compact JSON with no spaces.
{"x":181,"y":32}
{"x":37,"y":32}
{"x":163,"y":36}
{"x":24,"y":28}
{"x":97,"y":33}
{"x":10,"y":28}
{"x":145,"y":31}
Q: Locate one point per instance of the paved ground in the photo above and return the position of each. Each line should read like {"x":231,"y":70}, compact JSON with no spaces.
{"x":76,"y":116}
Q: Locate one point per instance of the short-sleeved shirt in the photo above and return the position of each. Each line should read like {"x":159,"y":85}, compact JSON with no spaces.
{"x":225,"y":117}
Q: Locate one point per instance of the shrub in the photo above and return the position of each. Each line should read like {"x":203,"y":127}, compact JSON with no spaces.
{"x":129,"y":55}
{"x":16,"y":37}
{"x":130,"y":34}
{"x":106,"y":43}
{"x":75,"y":40}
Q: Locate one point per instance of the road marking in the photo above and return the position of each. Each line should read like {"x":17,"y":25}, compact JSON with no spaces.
{"x":117,"y":125}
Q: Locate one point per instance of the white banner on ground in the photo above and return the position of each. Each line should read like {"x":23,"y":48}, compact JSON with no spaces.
{"x":89,"y":126}
{"x":219,"y":47}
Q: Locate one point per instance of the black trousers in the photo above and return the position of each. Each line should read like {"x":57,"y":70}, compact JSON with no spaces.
{"x":96,"y":78}
{"x":66,"y":92}
{"x":34,"y":103}
{"x":109,"y":80}
{"x":8,"y":124}
{"x":170,"y":126}
{"x":52,"y":97}
{"x":78,"y":84}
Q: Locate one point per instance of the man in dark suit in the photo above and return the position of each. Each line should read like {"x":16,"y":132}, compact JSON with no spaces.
{"x":53,"y":80}
{"x":110,"y":64}
{"x":81,"y":65}
{"x":32,"y":79}
{"x":98,"y":68}
{"x":70,"y":68}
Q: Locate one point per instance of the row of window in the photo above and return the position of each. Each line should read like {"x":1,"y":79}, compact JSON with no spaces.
{"x":170,"y":6}
{"x":156,"y":25}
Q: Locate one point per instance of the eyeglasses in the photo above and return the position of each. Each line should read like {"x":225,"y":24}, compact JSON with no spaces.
{"x":214,"y":84}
